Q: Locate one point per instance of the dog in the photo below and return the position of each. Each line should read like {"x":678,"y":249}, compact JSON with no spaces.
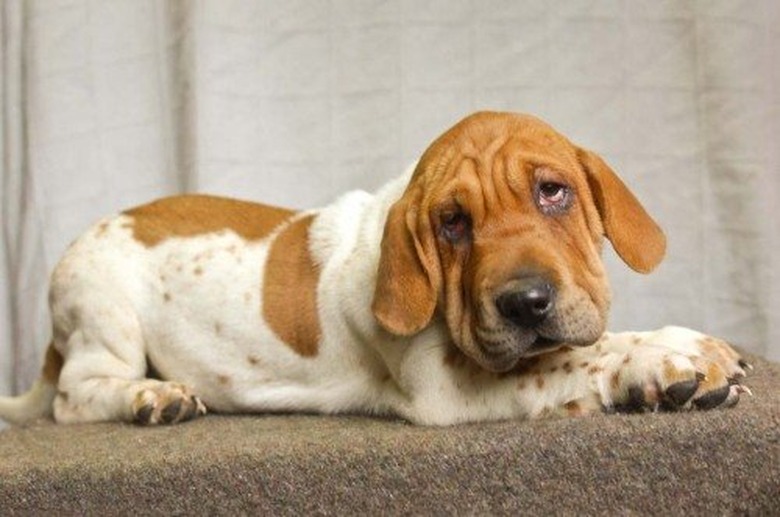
{"x":471,"y":288}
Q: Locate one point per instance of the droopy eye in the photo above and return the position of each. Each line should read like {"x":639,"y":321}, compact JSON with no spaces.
{"x":552,"y":197}
{"x":455,"y":224}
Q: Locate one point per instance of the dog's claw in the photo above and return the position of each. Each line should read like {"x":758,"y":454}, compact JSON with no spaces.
{"x":744,"y":389}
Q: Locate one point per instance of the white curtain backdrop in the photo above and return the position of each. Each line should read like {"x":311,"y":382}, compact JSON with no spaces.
{"x":109,"y":103}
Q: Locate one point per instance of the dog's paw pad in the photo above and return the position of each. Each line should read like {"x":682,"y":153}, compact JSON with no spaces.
{"x":681,"y":392}
{"x":166,"y":403}
{"x":143,"y":414}
{"x":713,"y":399}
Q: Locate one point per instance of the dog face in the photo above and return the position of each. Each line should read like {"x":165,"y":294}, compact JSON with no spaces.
{"x":501,"y":228}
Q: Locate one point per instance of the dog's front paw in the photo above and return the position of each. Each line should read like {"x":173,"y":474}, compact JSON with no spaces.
{"x":166,"y":403}
{"x":696,"y":344}
{"x":655,"y":378}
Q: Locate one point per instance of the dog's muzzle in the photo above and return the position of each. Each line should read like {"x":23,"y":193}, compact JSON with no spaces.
{"x":522,"y":312}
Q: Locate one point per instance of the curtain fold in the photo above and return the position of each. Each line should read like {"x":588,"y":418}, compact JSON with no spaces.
{"x":107,"y":104}
{"x":24,"y":294}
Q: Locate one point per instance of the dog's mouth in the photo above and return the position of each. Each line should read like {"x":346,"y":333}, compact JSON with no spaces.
{"x":502,"y":354}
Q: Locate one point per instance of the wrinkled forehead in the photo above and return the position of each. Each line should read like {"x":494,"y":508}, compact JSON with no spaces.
{"x":488,"y":149}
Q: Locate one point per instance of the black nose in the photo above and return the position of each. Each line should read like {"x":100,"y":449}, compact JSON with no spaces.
{"x":527,"y":306}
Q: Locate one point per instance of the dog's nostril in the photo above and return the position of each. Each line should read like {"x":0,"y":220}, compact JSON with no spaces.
{"x":529,"y":306}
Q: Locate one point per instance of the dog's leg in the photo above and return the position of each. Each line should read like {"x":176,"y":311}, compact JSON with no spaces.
{"x":719,"y":368}
{"x":103,"y":377}
{"x":623,"y":372}
{"x":669,"y":369}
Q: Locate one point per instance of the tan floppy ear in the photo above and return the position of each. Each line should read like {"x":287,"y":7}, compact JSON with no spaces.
{"x":636,"y":237}
{"x":406,"y":288}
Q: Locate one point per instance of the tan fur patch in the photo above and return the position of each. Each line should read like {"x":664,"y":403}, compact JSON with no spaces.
{"x":191,"y":215}
{"x":614,"y":381}
{"x":671,"y":373}
{"x":573,"y":408}
{"x":290,"y":289}
{"x":52,"y":365}
{"x":101,"y":231}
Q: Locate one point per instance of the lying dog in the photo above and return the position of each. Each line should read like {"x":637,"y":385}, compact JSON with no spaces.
{"x":470,"y":288}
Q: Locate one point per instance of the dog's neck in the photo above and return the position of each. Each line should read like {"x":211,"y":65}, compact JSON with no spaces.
{"x":354,"y":257}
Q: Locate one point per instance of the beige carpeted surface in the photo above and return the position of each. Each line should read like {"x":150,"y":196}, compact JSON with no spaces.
{"x":720,"y":462}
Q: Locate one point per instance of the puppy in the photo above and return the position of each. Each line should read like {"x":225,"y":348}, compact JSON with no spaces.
{"x":470,"y":288}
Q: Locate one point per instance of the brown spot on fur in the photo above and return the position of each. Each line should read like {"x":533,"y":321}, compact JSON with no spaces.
{"x":614,"y":381}
{"x":717,"y":349}
{"x":52,"y":365}
{"x":290,"y":289}
{"x":636,"y":340}
{"x":573,"y":408}
{"x":553,"y":369}
{"x":567,"y":367}
{"x":539,"y":381}
{"x":584,"y":364}
{"x":167,"y":297}
{"x":217,"y":328}
{"x":521,"y":384}
{"x":595,"y":369}
{"x":626,"y":359}
{"x":253,"y":360}
{"x":223,"y":379}
{"x":198,"y":271}
{"x":191,"y":215}
{"x":671,"y":373}
{"x":101,"y":231}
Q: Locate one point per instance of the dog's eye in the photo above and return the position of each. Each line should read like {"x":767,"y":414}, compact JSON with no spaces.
{"x":455,"y":225}
{"x":551,"y":196}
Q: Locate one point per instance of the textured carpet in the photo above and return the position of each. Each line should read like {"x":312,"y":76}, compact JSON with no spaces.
{"x":720,"y":462}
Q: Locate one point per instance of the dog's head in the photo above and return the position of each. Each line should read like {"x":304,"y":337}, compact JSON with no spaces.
{"x":501,"y":228}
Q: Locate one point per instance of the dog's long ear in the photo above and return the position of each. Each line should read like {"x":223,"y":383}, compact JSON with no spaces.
{"x":636,"y":237}
{"x":407,"y":287}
